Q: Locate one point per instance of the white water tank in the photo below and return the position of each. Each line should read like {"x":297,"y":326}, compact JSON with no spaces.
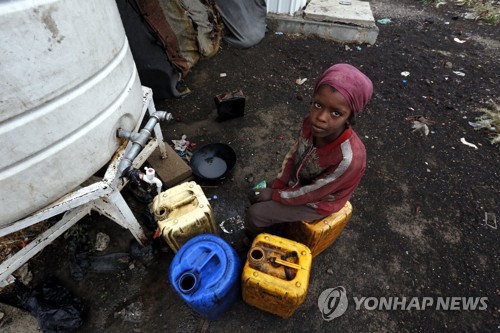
{"x":68,"y":82}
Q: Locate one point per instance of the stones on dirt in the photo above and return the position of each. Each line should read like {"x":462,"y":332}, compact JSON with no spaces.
{"x":132,"y":313}
{"x":300,"y":81}
{"x":490,"y":219}
{"x":101,"y":242}
{"x":250,"y":178}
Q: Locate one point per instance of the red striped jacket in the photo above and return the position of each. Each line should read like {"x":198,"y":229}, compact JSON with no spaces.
{"x":323,"y":178}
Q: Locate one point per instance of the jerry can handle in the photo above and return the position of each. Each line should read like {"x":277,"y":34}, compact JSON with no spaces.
{"x":205,"y":261}
{"x":183,"y":202}
{"x":285,"y":263}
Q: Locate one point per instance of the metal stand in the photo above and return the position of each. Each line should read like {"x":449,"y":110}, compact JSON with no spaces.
{"x":102,"y":196}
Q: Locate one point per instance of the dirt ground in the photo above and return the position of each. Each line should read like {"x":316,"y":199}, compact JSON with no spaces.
{"x":418,"y":227}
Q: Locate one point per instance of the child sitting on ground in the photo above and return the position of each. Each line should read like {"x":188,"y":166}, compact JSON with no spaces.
{"x":325,"y":165}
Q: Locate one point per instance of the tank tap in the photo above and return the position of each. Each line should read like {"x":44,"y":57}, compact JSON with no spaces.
{"x":149,"y":177}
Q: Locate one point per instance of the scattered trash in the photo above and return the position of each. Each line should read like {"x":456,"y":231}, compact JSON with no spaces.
{"x":300,"y":81}
{"x":420,"y":127}
{"x":260,"y":185}
{"x":53,"y":306}
{"x":459,"y":40}
{"x":329,"y":271}
{"x":405,"y":73}
{"x":230,"y":105}
{"x":345,"y":2}
{"x":421,"y":119}
{"x":101,"y":241}
{"x":404,"y":81}
{"x":471,"y":16}
{"x":448,"y":64}
{"x":224,"y":229}
{"x":232,"y":224}
{"x":420,"y":124}
{"x":23,"y":274}
{"x":132,"y":313}
{"x":278,"y":33}
{"x":182,"y":144}
{"x":222,"y":75}
{"x":384,"y":21}
{"x":468,"y":143}
{"x":80,"y":262}
{"x":459,"y":73}
{"x":490,"y":220}
{"x":483,"y":122}
{"x":347,"y":48}
{"x":440,"y":3}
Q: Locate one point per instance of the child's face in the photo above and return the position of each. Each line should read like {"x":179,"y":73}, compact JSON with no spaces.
{"x":329,"y":114}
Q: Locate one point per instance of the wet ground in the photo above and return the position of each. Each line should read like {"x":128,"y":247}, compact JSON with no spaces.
{"x":418,"y":228}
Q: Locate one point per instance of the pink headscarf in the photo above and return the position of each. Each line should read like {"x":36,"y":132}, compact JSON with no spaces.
{"x":355,"y":86}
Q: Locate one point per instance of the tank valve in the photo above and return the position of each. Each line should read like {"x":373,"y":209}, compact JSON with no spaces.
{"x":149,"y":177}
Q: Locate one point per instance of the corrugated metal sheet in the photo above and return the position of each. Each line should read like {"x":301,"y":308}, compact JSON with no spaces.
{"x":285,"y":6}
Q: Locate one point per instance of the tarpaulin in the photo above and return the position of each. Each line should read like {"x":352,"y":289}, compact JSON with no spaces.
{"x":245,"y":21}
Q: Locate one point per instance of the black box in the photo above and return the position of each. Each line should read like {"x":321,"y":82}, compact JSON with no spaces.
{"x":230,"y":105}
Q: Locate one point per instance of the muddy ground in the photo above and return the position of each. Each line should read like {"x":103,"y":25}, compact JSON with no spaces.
{"x":418,"y":227}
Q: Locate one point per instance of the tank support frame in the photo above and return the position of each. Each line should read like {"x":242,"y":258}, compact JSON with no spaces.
{"x":95,"y":194}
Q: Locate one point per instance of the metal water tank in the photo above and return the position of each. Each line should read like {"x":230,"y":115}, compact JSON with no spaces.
{"x":68,"y":82}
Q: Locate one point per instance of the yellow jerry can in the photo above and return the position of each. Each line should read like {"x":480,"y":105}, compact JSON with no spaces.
{"x":183,"y":212}
{"x":318,"y":236}
{"x":276,"y":274}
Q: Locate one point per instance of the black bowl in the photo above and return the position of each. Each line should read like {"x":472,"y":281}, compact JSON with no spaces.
{"x":213,"y":161}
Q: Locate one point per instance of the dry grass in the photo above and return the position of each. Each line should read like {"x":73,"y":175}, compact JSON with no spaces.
{"x":485,"y":10}
{"x":489,"y":121}
{"x":15,"y":241}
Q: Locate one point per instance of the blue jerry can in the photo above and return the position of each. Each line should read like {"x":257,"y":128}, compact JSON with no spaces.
{"x":206,"y":273}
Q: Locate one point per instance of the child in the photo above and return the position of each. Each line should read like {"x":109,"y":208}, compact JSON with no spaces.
{"x":325,"y":164}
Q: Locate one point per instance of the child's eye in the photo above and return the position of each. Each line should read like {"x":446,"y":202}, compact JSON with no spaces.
{"x":336,"y":114}
{"x":317,"y":105}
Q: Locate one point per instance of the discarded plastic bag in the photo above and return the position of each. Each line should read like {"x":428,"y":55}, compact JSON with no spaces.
{"x":55,"y":308}
{"x":81,"y":262}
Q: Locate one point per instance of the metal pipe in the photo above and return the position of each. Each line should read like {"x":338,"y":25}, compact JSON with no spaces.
{"x":139,"y":140}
